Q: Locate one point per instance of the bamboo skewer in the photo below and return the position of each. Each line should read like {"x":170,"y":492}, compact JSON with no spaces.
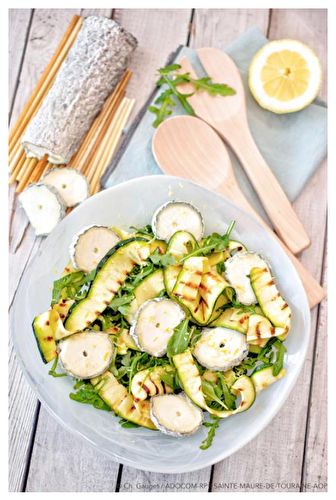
{"x":27,"y":168}
{"x":16,"y":160}
{"x":44,"y":84}
{"x":91,"y":154}
{"x":96,"y":186}
{"x":17,"y":169}
{"x":112,"y":146}
{"x":102,"y":144}
{"x":37,"y":174}
{"x":17,"y":148}
{"x":83,"y":157}
{"x":48,"y":167}
{"x":87,"y":153}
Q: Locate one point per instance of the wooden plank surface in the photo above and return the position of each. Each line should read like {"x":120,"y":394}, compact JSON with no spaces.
{"x":61,"y":462}
{"x":295,"y":439}
{"x":315,"y":464}
{"x":47,"y":27}
{"x":219,"y":27}
{"x":19,"y":23}
{"x":159,"y":32}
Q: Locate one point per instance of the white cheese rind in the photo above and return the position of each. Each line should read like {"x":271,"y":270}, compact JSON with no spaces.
{"x":86,"y":355}
{"x":90,"y":245}
{"x":154,"y":324}
{"x":175,"y":414}
{"x":71,"y":185}
{"x":91,"y":71}
{"x":219,"y":349}
{"x":176,"y":216}
{"x":237,"y":271}
{"x":43,"y":206}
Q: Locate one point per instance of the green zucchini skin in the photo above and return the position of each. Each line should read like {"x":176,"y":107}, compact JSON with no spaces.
{"x":233,"y":319}
{"x":122,"y":403}
{"x":116,"y":247}
{"x":71,"y":308}
{"x":264,"y":377}
{"x":149,"y":288}
{"x":105,"y":284}
{"x":192,"y":385}
{"x":177,"y":245}
{"x":170,"y":274}
{"x":271,"y":303}
{"x":48,"y":328}
{"x":199,"y":290}
{"x":44,"y":336}
{"x":236,"y":245}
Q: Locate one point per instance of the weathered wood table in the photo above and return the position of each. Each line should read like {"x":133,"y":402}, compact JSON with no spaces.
{"x":290,"y":454}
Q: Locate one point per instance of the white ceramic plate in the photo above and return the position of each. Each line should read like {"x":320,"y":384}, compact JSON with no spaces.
{"x":124,"y":205}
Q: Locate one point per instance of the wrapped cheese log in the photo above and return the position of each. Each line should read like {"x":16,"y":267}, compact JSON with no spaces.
{"x":91,"y":71}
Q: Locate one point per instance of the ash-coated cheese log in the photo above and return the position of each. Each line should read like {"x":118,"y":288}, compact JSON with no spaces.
{"x":91,"y":71}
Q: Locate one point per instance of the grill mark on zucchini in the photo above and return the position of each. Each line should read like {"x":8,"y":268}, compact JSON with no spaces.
{"x":100,"y":294}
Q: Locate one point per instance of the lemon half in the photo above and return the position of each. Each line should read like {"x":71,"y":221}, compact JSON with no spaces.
{"x":285,"y":76}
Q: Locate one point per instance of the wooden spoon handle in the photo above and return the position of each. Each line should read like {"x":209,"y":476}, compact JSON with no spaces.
{"x":314,"y":291}
{"x":273,"y":198}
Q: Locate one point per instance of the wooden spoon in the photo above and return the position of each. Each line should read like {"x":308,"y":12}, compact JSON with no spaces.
{"x":227,"y":115}
{"x":187,"y":147}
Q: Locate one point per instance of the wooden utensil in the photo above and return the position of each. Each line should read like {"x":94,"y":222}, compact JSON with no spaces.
{"x":187,"y":147}
{"x":227,"y":115}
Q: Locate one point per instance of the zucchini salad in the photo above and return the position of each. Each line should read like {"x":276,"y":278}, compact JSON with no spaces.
{"x":165,"y":327}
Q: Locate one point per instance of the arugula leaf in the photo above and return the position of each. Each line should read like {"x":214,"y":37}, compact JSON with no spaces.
{"x":229,"y":398}
{"x":179,"y":341}
{"x":169,"y":69}
{"x":265,"y":351}
{"x":143,"y":230}
{"x":171,"y":79}
{"x":163,"y":111}
{"x":213,"y":88}
{"x":209,"y":391}
{"x":220,"y":267}
{"x":88,"y":395}
{"x":71,"y":286}
{"x":195,"y":336}
{"x":127,"y":424}
{"x":126,"y":359}
{"x":168,"y":378}
{"x":163,"y":260}
{"x":118,"y":302}
{"x":53,"y":372}
{"x":124,"y":310}
{"x":245,"y":366}
{"x":242,"y":308}
{"x":62,"y":283}
{"x":107,"y":320}
{"x":133,"y":368}
{"x":215,"y":242}
{"x":137,"y":276}
{"x":207,"y":442}
{"x":281,"y":350}
{"x":261,"y":367}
